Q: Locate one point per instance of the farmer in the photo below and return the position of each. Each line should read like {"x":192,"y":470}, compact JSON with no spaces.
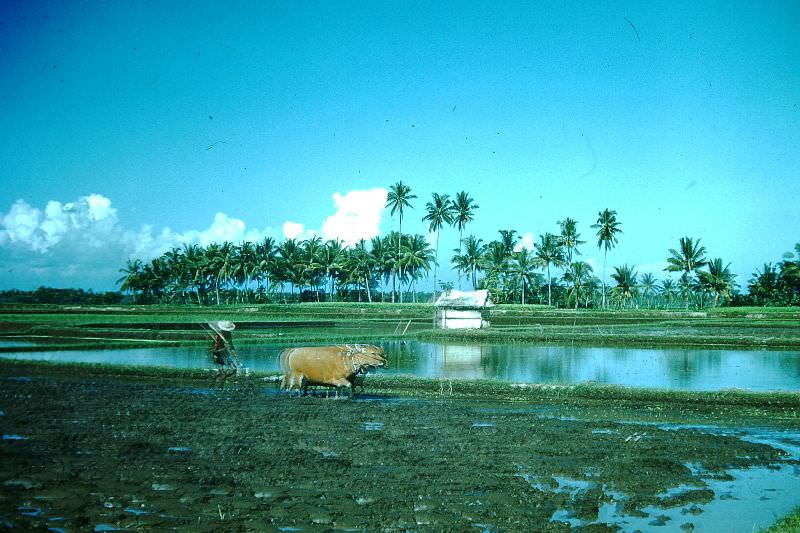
{"x":222,"y":350}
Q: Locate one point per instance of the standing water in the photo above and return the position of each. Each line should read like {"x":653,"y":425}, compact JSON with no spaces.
{"x":666,"y":368}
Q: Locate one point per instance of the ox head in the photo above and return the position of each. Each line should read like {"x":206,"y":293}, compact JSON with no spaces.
{"x":366,"y":356}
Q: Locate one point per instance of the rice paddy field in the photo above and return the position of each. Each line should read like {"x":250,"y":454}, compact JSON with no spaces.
{"x":106,"y":447}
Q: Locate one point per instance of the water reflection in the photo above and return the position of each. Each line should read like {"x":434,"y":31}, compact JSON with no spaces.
{"x":670,"y":368}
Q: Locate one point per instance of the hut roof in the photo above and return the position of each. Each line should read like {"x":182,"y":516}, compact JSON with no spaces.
{"x":465,"y":300}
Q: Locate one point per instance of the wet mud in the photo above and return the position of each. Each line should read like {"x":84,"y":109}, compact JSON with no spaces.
{"x":101,"y":453}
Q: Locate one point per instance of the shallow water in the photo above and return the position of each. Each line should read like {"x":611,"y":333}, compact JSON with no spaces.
{"x":753,"y":499}
{"x":667,"y":368}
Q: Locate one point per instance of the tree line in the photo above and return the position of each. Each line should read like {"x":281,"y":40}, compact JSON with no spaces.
{"x":389,"y":268}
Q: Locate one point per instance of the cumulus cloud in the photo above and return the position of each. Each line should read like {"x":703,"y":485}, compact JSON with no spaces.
{"x":293,"y":230}
{"x":81,"y":243}
{"x":357,"y":216}
{"x":146,"y":243}
{"x":526,"y":242}
{"x":91,"y":220}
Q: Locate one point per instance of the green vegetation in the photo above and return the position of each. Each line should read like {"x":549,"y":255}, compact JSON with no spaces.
{"x":788,"y":524}
{"x":389,"y":268}
{"x":48,"y":295}
{"x":112,"y":326}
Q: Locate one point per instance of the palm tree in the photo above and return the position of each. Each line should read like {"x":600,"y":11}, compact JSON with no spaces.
{"x":132,"y":277}
{"x":330,"y":259}
{"x":763,"y":286}
{"x":522,"y":270}
{"x":225,"y":266}
{"x":495,"y":264}
{"x":687,"y":259}
{"x":246,"y":266}
{"x":313,"y":269}
{"x":465,"y":208}
{"x":607,"y":228}
{"x":548,"y":251}
{"x":648,"y":285}
{"x":717,"y":279}
{"x":439,"y":213}
{"x":578,"y":275}
{"x":399,"y":198}
{"x":417,"y":258}
{"x":197,"y":264}
{"x":391,"y":261}
{"x":668,"y":290}
{"x":289,"y":265}
{"x":626,"y":288}
{"x":266,"y":255}
{"x":155,"y":276}
{"x":509,"y":240}
{"x":380,"y":251}
{"x":361,"y":266}
{"x":570,"y":238}
{"x":471,"y":261}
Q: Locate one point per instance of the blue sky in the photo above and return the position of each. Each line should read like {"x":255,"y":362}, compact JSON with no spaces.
{"x":128,"y":127}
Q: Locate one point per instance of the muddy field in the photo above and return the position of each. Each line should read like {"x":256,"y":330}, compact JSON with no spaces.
{"x":120,"y":452}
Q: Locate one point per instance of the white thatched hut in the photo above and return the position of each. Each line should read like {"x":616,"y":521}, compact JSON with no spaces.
{"x":463,"y":310}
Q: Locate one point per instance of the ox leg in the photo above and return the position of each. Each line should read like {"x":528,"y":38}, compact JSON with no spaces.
{"x":341,"y":384}
{"x":295,"y":381}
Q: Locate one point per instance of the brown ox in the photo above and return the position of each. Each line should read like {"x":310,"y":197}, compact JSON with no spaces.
{"x":332,"y":366}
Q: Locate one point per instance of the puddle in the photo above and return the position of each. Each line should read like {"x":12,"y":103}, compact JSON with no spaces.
{"x":136,"y":512}
{"x":14,"y":437}
{"x":179,"y":449}
{"x":483,"y":425}
{"x":752,"y":500}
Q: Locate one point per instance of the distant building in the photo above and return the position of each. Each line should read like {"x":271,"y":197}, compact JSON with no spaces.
{"x":463,"y":310}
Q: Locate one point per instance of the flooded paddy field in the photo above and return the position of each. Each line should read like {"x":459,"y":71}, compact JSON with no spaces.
{"x":689,"y":368}
{"x":548,"y":421}
{"x":92,"y":448}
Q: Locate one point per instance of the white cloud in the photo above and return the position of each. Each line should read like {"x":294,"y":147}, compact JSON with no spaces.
{"x":82,"y":244}
{"x":291,"y":230}
{"x":146,"y":244}
{"x":358,"y":215}
{"x":90,"y":220}
{"x":526,"y":242}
